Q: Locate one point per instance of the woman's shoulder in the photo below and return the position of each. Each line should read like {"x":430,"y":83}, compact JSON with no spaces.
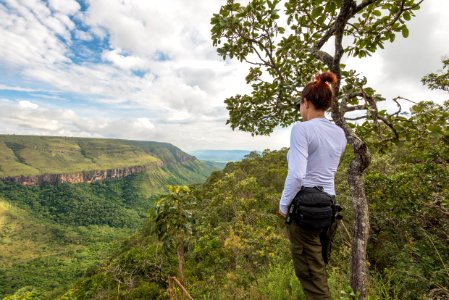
{"x":318,"y":125}
{"x":305,"y":125}
{"x":300,"y":126}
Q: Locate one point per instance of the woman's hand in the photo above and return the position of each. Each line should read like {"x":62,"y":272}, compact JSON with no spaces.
{"x":282,"y":214}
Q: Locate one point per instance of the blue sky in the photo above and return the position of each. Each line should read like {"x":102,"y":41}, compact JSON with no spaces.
{"x":146,"y":70}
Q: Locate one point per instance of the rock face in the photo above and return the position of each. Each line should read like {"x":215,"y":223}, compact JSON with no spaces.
{"x":80,"y":177}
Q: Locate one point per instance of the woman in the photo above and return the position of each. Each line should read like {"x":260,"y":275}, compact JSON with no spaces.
{"x":316,"y":146}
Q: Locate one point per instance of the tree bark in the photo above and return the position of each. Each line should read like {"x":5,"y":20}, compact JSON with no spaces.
{"x":180,"y":254}
{"x":359,"y":268}
{"x":362,"y":159}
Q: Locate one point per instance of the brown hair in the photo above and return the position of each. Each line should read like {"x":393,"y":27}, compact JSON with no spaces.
{"x":320,"y":91}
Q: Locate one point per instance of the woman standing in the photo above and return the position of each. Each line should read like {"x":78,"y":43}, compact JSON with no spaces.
{"x":316,"y":146}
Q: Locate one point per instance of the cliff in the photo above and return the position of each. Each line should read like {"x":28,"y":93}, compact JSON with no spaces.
{"x":32,"y":160}
{"x":80,"y":177}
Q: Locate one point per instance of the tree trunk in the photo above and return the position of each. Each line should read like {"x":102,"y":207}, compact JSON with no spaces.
{"x":180,"y":254}
{"x":359,"y":267}
{"x":362,"y":159}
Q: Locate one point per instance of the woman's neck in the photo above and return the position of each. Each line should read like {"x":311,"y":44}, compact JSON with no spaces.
{"x":314,"y":114}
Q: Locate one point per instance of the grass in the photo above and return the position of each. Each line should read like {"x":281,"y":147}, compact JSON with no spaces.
{"x":34,"y":155}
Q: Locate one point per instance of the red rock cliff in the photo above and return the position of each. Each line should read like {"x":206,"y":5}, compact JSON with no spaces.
{"x":79,"y":177}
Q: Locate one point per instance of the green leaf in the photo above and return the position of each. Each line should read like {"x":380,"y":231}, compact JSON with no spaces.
{"x":394,"y":9}
{"x":377,"y":13}
{"x":405,"y":32}
{"x":331,"y":6}
{"x":317,"y":11}
{"x":392,"y":37}
{"x":369,"y":91}
{"x":321,"y":19}
{"x":434,"y":129}
{"x":407,"y":16}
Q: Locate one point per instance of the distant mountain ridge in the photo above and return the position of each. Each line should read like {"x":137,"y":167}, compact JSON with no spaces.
{"x":36,"y":159}
{"x":220,"y":155}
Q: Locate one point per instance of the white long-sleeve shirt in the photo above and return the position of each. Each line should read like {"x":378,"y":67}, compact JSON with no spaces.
{"x":315,"y":150}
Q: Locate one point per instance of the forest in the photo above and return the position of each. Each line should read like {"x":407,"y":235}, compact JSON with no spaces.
{"x":63,"y":230}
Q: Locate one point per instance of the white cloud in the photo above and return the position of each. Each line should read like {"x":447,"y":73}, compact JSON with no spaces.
{"x":143,"y":123}
{"x":68,"y":7}
{"x":28,"y":35}
{"x":24,"y":117}
{"x":27,"y":104}
{"x":159,"y":73}
{"x":20,"y":89}
{"x":124,"y":62}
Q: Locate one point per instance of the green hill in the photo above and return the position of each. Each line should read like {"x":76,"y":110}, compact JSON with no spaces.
{"x":50,"y":235}
{"x":36,"y":155}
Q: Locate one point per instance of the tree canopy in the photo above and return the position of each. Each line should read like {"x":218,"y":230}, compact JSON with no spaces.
{"x":439,"y":80}
{"x":286,"y":46}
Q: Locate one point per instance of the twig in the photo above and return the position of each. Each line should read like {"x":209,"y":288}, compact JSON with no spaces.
{"x":174,"y":279}
{"x":444,"y":265}
{"x":406,"y":99}
{"x":346,"y":229}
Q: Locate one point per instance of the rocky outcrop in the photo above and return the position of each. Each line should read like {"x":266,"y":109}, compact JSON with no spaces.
{"x":80,"y":177}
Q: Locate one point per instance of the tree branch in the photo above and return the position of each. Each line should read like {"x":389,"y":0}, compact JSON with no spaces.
{"x":346,"y":109}
{"x":254,"y":63}
{"x":406,"y":99}
{"x":325,"y":37}
{"x":346,"y":97}
{"x":364,"y":4}
{"x":346,"y":12}
{"x":386,"y":122}
{"x":322,"y":56}
{"x":356,"y":118}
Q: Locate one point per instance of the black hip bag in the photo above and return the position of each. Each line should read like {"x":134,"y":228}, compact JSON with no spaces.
{"x":312,"y":208}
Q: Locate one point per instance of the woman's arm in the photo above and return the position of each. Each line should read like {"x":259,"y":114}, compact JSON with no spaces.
{"x":297,"y":166}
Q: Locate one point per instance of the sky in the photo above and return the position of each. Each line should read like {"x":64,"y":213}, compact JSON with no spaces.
{"x":147,"y":70}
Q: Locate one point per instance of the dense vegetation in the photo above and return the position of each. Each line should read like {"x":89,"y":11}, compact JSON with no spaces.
{"x":237,"y":248}
{"x":46,"y":255}
{"x":50,"y":235}
{"x":116,"y":203}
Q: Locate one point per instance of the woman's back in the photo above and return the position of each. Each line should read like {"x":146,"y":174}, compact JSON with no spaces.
{"x":326,"y":143}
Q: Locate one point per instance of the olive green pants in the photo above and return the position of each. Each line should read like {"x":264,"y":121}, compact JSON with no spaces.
{"x":308,"y":261}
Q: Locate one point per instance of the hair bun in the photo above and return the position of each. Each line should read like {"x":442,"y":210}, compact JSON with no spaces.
{"x":326,"y":77}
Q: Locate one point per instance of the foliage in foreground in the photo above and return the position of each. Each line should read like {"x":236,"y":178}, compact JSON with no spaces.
{"x":40,"y":257}
{"x":239,"y":248}
{"x":50,"y":235}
